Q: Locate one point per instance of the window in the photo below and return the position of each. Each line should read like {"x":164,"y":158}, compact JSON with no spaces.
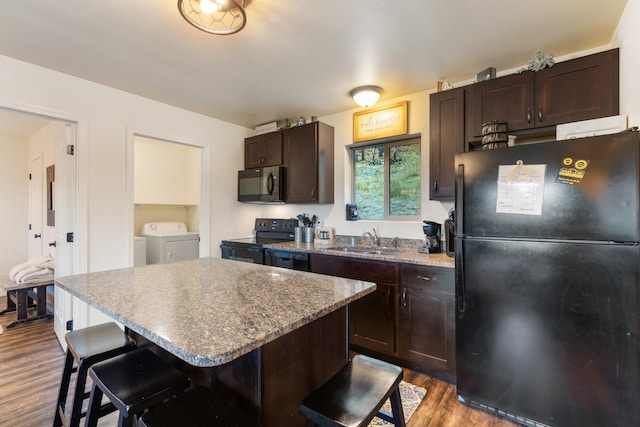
{"x":386,"y":180}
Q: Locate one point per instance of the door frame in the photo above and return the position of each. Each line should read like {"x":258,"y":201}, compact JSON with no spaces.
{"x":204,"y":206}
{"x":79,"y":262}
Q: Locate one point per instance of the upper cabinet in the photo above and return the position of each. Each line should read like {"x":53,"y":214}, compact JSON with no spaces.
{"x":263,"y":150}
{"x":531,"y":103}
{"x":580,"y":89}
{"x":308,"y":161}
{"x":507,"y":99}
{"x":446,"y":137}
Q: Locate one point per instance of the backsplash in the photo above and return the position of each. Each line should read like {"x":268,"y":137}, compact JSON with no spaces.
{"x":389,"y":242}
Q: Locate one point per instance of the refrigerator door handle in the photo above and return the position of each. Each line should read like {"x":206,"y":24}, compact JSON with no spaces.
{"x":459,"y":201}
{"x":460,"y":285}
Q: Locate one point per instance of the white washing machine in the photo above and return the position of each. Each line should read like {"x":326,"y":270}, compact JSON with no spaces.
{"x":170,"y":241}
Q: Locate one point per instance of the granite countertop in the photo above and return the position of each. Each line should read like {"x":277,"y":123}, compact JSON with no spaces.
{"x":210,"y":311}
{"x":409,"y":255}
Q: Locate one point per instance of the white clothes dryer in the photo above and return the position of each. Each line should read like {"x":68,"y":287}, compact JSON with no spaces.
{"x":170,"y":241}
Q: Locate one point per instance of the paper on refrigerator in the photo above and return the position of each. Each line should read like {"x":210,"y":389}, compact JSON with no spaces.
{"x":520,"y":189}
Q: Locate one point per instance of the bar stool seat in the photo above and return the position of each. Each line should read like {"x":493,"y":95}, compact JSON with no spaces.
{"x":84,"y":348}
{"x":133,"y":382}
{"x":197,"y":407}
{"x":355,"y":395}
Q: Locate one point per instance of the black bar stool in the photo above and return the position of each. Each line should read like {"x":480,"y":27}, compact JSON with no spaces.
{"x":84,"y":348}
{"x":355,"y":395}
{"x":133,"y":382}
{"x":197,"y":407}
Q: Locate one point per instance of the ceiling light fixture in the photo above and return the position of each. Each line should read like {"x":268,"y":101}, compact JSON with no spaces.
{"x":366,"y":96}
{"x":214,"y":16}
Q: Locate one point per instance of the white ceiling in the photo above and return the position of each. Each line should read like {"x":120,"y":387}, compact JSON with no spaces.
{"x":295,"y":57}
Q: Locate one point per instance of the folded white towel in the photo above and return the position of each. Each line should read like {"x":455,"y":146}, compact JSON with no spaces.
{"x":42,"y":261}
{"x":33,"y":275}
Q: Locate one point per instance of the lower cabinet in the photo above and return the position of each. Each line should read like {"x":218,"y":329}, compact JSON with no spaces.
{"x":409,"y":318}
{"x":371,"y":318}
{"x":427,"y":318}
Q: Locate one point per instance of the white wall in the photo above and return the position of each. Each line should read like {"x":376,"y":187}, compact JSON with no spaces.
{"x":14,"y":198}
{"x":105,"y":116}
{"x":166,"y":173}
{"x":627,"y":37}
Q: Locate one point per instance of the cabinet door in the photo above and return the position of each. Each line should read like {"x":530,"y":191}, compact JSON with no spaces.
{"x":372,"y":319}
{"x":507,"y":99}
{"x":427,"y":319}
{"x":579,"y":89}
{"x":301,"y":160}
{"x":446,"y":137}
{"x":263,"y":150}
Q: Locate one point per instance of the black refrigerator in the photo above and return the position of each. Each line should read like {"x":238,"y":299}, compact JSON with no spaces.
{"x":547,"y":281}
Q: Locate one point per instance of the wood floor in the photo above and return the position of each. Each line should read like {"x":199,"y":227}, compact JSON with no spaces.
{"x":31,"y":363}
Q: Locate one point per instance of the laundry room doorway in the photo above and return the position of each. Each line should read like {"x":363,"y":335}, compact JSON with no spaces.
{"x":169,"y":184}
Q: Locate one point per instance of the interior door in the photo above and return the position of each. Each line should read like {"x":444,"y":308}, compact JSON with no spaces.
{"x":65,"y":221}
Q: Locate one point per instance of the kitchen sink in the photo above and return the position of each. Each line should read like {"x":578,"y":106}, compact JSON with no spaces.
{"x":371,"y":250}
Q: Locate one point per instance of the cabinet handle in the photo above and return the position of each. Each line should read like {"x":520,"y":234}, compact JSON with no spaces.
{"x":425,"y":278}
{"x":37,"y":236}
{"x":435,"y":186}
{"x":528,"y":116}
{"x":540,"y":114}
{"x":404,"y":297}
{"x":313,"y":192}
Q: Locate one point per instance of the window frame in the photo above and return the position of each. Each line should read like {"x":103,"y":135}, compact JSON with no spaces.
{"x":388,"y":143}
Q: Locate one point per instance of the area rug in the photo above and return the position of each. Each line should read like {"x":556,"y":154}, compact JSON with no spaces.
{"x":411,"y":396}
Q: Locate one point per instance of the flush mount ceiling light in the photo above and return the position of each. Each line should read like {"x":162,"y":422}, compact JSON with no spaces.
{"x":214,"y":16}
{"x":366,"y":96}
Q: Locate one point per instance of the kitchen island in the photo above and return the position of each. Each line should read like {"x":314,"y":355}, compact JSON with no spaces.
{"x":260,"y":336}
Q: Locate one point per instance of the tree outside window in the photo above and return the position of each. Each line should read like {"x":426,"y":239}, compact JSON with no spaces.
{"x":386,"y":180}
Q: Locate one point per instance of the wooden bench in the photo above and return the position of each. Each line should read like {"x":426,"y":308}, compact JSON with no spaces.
{"x":26,"y":296}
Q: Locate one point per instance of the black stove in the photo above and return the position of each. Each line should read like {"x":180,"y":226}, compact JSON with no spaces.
{"x":267,"y":230}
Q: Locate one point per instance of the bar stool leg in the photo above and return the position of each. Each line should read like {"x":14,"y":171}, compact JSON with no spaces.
{"x":78,"y":396}
{"x":93,"y":412}
{"x":396,"y":408}
{"x":64,"y":389}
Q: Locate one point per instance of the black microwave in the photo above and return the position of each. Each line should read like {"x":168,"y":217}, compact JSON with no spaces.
{"x":261,"y":185}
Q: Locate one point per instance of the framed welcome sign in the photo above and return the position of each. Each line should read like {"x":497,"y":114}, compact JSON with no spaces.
{"x":380,"y":122}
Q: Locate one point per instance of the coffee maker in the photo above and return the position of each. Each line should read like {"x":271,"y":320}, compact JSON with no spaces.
{"x":432,"y":236}
{"x":449,"y":232}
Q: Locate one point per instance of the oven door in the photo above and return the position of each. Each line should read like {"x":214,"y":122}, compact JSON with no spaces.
{"x":252,"y":254}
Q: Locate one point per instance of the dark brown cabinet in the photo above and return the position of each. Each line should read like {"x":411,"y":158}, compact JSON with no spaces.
{"x":308,"y":159}
{"x":410,"y":317}
{"x":372,"y":319}
{"x":263,"y":150}
{"x":446,"y":137}
{"x":427,"y":318}
{"x":507,"y":99}
{"x":579,"y":89}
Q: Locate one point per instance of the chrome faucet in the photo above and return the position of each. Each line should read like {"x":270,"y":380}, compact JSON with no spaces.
{"x":374,"y":236}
